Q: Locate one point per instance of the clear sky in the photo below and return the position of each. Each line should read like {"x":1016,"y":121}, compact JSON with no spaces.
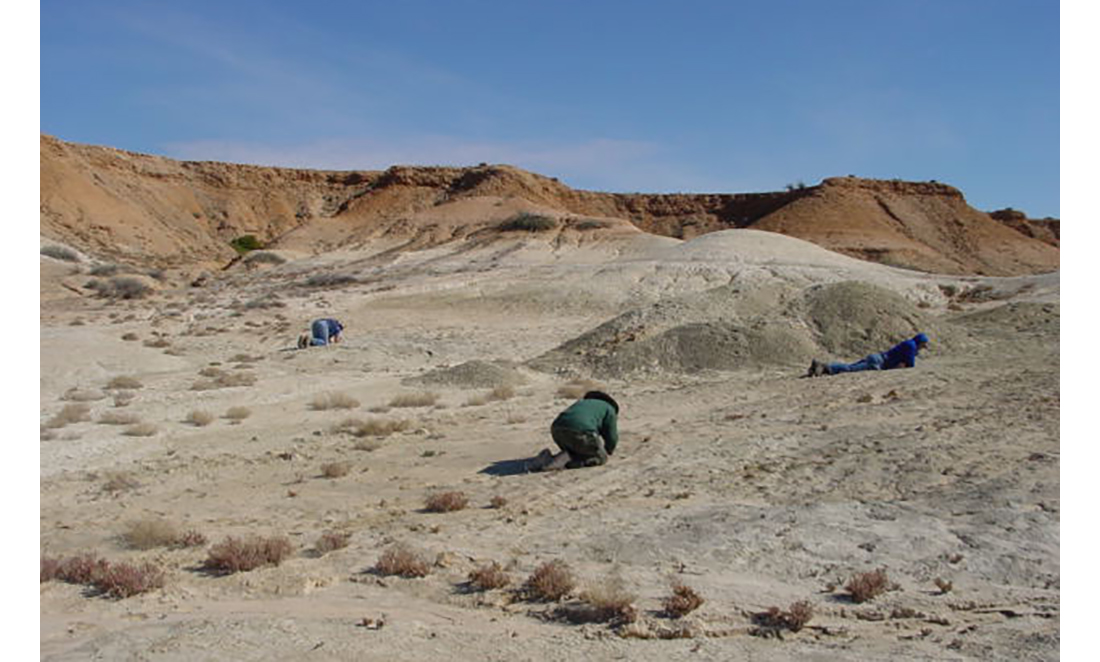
{"x":691,"y":96}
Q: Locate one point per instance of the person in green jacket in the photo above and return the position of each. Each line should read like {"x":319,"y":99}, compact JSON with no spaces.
{"x":587,"y":433}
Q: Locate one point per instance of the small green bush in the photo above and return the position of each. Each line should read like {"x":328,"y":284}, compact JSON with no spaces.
{"x":246,"y":243}
{"x":528,"y":222}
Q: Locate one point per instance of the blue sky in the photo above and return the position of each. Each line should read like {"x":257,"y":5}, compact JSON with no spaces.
{"x":692,"y":96}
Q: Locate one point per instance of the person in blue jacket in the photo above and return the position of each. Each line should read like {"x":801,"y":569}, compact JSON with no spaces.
{"x":587,"y":433}
{"x":321,"y":332}
{"x":901,"y":355}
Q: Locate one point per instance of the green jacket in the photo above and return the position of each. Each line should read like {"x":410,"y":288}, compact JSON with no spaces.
{"x":592,"y":416}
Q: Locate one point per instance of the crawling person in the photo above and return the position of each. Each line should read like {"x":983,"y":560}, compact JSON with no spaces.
{"x":901,"y":355}
{"x":321,"y":332}
{"x":587,"y":433}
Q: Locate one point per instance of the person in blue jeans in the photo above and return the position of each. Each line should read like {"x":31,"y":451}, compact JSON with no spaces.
{"x":901,"y":355}
{"x":321,"y":332}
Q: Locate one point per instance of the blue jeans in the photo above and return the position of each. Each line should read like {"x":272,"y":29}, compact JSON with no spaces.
{"x":319,"y":330}
{"x":871,"y":362}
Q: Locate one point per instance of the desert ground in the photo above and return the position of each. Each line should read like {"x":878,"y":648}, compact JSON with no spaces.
{"x":735,"y":476}
{"x":191,"y":410}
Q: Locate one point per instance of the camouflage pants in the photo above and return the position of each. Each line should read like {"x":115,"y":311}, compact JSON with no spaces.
{"x":585,"y":449}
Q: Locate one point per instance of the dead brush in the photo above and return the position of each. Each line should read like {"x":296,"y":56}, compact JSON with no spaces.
{"x":550,"y":582}
{"x":141,"y":430}
{"x":79,"y":569}
{"x":117,"y":418}
{"x":124,"y":383}
{"x":498,"y":502}
{"x":331,"y":541}
{"x":576,"y":388}
{"x":120,"y":481}
{"x":325,"y":401}
{"x":237,"y":414}
{"x":149,"y":533}
{"x":74,"y":413}
{"x":866,"y":586}
{"x":605,"y":601}
{"x":373,"y":427}
{"x":244,"y":554}
{"x":400,"y":560}
{"x":796,"y":617}
{"x":200,"y":418}
{"x":445,"y":502}
{"x":682,"y":602}
{"x":336,"y":469}
{"x":422,"y":399}
{"x":122,"y":580}
{"x":488,"y":576}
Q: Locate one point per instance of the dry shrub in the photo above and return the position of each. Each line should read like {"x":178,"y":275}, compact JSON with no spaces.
{"x":245,"y":358}
{"x":238,"y":413}
{"x":445,"y":502}
{"x":212,"y":371}
{"x":331,"y":541}
{"x":336,"y":469}
{"x":325,"y":401}
{"x":503,"y":392}
{"x":124,"y":398}
{"x":422,"y":399}
{"x":794,"y":619}
{"x":120,"y":287}
{"x":682,"y":602}
{"x":78,"y":395}
{"x":943,"y":585}
{"x":488,"y":576}
{"x":241,"y":555}
{"x":140,"y":430}
{"x":402,"y":561}
{"x":117,"y":418}
{"x":120,"y":481}
{"x":476,"y":401}
{"x":124,"y":383}
{"x":159,"y":343}
{"x":866,"y":586}
{"x":224,"y":379}
{"x":367,"y":444}
{"x":550,"y":582}
{"x":80,"y":569}
{"x":371,"y":428}
{"x":379,"y":409}
{"x":130,"y":336}
{"x":70,"y":414}
{"x":608,"y":600}
{"x":576,"y":388}
{"x":498,"y":502}
{"x":60,"y":253}
{"x":122,"y":580}
{"x":200,"y":418}
{"x":150,"y":533}
{"x":49,"y":569}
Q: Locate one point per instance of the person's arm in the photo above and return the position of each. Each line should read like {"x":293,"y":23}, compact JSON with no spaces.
{"x":610,"y":432}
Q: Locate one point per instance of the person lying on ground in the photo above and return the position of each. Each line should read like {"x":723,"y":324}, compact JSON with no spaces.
{"x":901,"y":355}
{"x":321,"y":332}
{"x":587,"y":433}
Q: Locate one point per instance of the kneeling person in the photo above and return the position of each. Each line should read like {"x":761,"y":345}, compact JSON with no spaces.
{"x":588,"y":430}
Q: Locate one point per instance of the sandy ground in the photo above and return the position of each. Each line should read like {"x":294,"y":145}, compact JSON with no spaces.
{"x":751,"y":485}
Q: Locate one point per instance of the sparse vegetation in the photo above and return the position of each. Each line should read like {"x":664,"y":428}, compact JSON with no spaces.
{"x":115,"y":580}
{"x":60,"y":253}
{"x":244,"y":554}
{"x":331,"y":541}
{"x":149,"y":533}
{"x":224,"y":379}
{"x":607,"y":600}
{"x":238,"y":413}
{"x":550,"y":582}
{"x":488,"y":576}
{"x":124,"y":398}
{"x":119,"y":481}
{"x":445,"y":502}
{"x":371,"y":428}
{"x":200,"y":418}
{"x":330,"y":280}
{"x":577,"y":388}
{"x":246,"y":243}
{"x":528,"y":222}
{"x":794,"y":619}
{"x":401,"y":561}
{"x":324,"y":401}
{"x":140,"y":430}
{"x":117,"y":418}
{"x":124,"y":383}
{"x":943,"y":585}
{"x":336,"y":469}
{"x":682,"y":602}
{"x":120,"y":287}
{"x":422,"y":399}
{"x":75,"y":413}
{"x":866,"y":586}
{"x":498,"y":502}
{"x":264,"y":257}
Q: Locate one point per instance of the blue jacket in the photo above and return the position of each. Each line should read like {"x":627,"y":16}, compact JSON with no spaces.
{"x":325,"y":329}
{"x":902,"y":354}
